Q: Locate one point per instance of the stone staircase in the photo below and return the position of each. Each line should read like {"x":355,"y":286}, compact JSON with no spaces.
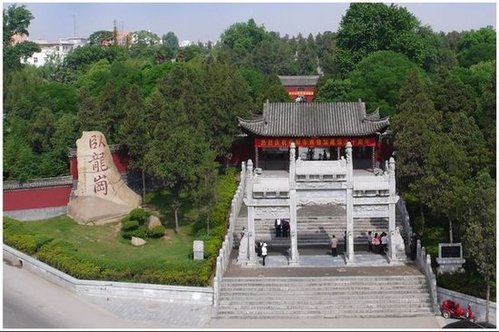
{"x":324,"y":297}
{"x":317,"y":230}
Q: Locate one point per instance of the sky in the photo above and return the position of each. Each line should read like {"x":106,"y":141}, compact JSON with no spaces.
{"x":204,"y":21}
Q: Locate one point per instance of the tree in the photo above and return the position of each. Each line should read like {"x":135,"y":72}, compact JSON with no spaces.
{"x":378,"y":79}
{"x":171,"y":40}
{"x":146,"y":38}
{"x":442,"y":185}
{"x":326,"y":47}
{"x":370,"y":27}
{"x":416,"y":127}
{"x":334,"y":90}
{"x":452,"y":95}
{"x":239,"y":40}
{"x":182,"y":160}
{"x":101,"y":38}
{"x":476,"y":46}
{"x":480,"y":231}
{"x":134,"y":132}
{"x":16,"y":21}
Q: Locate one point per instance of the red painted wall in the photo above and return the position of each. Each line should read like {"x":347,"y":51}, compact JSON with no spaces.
{"x":308,"y":92}
{"x":120,"y":160}
{"x":36,"y":198}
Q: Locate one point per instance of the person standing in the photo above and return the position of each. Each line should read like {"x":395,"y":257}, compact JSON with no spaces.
{"x":285,"y":228}
{"x":264,"y":252}
{"x":334,"y":245}
{"x":345,"y":242}
{"x":376,"y":242}
{"x":413,"y":246}
{"x":369,"y":241}
{"x":384,"y":243}
{"x":278,"y":227}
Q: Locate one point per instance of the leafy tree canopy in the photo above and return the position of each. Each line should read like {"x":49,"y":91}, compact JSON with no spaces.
{"x":370,"y":27}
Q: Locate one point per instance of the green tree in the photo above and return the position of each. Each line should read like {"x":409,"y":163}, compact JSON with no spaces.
{"x":480,"y":231}
{"x":452,"y":95}
{"x":476,"y":46}
{"x":146,"y":38}
{"x":370,"y":27}
{"x":170,"y":40}
{"x":326,"y":47}
{"x":16,"y":21}
{"x":442,"y":186}
{"x":81,"y":57}
{"x":101,"y":38}
{"x":227,"y":97}
{"x":378,"y":78}
{"x":135,"y":130}
{"x":181,"y":158}
{"x":416,"y":127}
{"x":334,"y":90}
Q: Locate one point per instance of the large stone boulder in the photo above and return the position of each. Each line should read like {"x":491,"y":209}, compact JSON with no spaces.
{"x":152,"y":222}
{"x":101,"y":195}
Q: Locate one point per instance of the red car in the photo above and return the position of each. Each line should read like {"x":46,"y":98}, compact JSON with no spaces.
{"x":451,"y":309}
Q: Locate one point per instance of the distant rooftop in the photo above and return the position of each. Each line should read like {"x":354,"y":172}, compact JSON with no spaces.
{"x":299,"y":80}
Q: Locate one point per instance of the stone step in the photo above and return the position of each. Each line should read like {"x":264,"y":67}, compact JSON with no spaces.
{"x":243,"y":299}
{"x":304,"y":307}
{"x":324,"y":315}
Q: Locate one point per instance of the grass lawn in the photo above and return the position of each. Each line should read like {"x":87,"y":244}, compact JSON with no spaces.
{"x":105,"y":246}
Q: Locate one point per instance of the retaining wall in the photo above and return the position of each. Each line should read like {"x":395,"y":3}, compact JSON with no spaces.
{"x":478,"y":305}
{"x":183,"y":294}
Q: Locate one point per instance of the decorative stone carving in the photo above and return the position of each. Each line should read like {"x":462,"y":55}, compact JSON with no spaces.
{"x":271,"y":212}
{"x":99,"y":182}
{"x":365,"y":208}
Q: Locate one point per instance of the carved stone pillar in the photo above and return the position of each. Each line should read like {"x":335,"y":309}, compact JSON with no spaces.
{"x":349,"y":255}
{"x":391,"y":209}
{"x":294,"y":259}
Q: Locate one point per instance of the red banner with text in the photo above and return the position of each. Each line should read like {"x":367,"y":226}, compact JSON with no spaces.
{"x":264,"y":142}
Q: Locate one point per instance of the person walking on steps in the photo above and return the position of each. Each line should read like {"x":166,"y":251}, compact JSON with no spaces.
{"x":334,"y":245}
{"x":264,"y":252}
{"x":369,"y":241}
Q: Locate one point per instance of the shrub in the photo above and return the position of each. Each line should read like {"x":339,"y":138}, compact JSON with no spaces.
{"x":157,"y":231}
{"x":23,"y":242}
{"x":127,"y":224}
{"x":139,"y":214}
{"x":58,"y":255}
{"x":140,"y":231}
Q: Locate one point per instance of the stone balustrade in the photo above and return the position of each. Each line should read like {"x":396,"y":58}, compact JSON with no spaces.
{"x":223,"y":258}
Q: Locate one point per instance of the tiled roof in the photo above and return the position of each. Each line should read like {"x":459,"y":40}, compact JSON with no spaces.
{"x":299,"y":80}
{"x":315,"y":120}
{"x":38,"y":183}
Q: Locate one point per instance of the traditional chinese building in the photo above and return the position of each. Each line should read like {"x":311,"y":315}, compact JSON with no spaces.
{"x":320,"y":131}
{"x":300,"y":86}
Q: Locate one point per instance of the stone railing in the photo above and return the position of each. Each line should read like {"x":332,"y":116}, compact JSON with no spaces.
{"x":423,"y":262}
{"x":402,"y":208}
{"x":223,"y":258}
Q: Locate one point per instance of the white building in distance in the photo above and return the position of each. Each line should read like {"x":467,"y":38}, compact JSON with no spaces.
{"x":53,"y":51}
